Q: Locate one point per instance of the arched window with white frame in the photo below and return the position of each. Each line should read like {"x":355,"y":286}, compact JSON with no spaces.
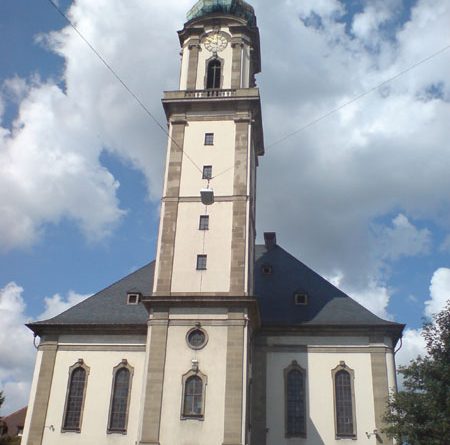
{"x":214,"y":74}
{"x":120,"y":398}
{"x":75,"y":396}
{"x":344,"y":401}
{"x":295,"y":400}
{"x":193,"y":400}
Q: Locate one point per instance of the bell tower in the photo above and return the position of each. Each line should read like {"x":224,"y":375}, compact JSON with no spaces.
{"x":202,"y":311}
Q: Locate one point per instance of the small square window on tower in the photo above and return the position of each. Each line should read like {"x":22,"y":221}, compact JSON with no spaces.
{"x":207,"y":172}
{"x":204,"y":222}
{"x":201,"y":262}
{"x":209,"y":138}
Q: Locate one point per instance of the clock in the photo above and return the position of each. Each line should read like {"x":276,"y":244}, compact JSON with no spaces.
{"x":215,"y":42}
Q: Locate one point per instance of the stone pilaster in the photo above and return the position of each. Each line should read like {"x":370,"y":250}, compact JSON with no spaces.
{"x":39,"y":410}
{"x":239,"y":224}
{"x":259,"y":377}
{"x":194,"y":49}
{"x":234,"y":390}
{"x":154,"y":382}
{"x":170,"y":210}
{"x":380,"y":391}
{"x":236,"y":64}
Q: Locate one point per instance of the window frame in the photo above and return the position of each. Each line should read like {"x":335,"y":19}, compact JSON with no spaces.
{"x":195,"y":372}
{"x":342,"y":367}
{"x":191,"y":331}
{"x":209,"y":139}
{"x":207,"y":172}
{"x":78,"y":365}
{"x":199,"y":258}
{"x":136,"y":296}
{"x":294,"y":366}
{"x":122,"y":365}
{"x":300,"y":298}
{"x":222,"y":65}
{"x":201,"y":222}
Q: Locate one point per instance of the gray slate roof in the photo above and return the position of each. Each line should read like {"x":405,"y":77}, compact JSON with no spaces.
{"x":109,"y":306}
{"x":327,"y":305}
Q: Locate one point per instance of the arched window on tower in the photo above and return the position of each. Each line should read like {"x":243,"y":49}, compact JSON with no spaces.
{"x":193,"y":396}
{"x":214,"y":74}
{"x":295,"y":399}
{"x":76,"y":390}
{"x":344,"y":400}
{"x":120,"y":397}
{"x":193,"y":406}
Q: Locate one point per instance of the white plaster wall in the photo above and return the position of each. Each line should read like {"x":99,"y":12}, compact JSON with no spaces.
{"x":220,"y":156}
{"x":37,"y":367}
{"x":319,"y":341}
{"x":212,"y":363}
{"x":391,"y":375}
{"x":184,"y":66}
{"x":181,"y":313}
{"x":97,"y":400}
{"x":215,"y":243}
{"x":102,"y":339}
{"x":245,"y":78}
{"x":320,"y":403}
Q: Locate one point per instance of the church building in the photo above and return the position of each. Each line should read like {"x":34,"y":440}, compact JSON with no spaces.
{"x":218,"y":341}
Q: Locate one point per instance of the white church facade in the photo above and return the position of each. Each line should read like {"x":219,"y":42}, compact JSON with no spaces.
{"x":218,"y":341}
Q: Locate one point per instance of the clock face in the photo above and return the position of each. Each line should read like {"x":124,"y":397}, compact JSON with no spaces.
{"x":215,"y":43}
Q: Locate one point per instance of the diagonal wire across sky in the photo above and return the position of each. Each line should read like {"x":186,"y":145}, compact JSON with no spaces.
{"x":277,"y":141}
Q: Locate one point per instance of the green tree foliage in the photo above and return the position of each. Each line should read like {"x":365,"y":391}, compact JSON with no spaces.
{"x":420,"y":413}
{"x":2,"y":398}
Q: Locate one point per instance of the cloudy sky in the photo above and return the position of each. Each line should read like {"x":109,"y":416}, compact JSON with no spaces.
{"x":362,"y":195}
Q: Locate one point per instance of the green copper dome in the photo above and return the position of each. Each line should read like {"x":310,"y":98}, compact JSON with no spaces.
{"x":238,"y":8}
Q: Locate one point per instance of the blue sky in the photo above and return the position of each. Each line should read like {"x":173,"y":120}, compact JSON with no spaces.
{"x":364,"y":192}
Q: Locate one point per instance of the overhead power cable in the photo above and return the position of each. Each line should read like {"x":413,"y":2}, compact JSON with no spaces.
{"x":119,"y":79}
{"x":282,"y":139}
{"x":359,"y":96}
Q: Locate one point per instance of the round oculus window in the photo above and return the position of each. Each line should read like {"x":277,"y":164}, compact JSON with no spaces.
{"x":196,"y":338}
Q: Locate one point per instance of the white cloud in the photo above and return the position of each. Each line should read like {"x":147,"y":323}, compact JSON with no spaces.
{"x":17,"y":88}
{"x":56,"y":305}
{"x":439,"y":291}
{"x":2,"y":110}
{"x":366,"y":25}
{"x":374,"y":296}
{"x":402,"y":239}
{"x":413,"y":344}
{"x":378,"y":156}
{"x":47,"y":170}
{"x":17,"y":353}
{"x":445,"y":246}
{"x":49,"y":162}
{"x":383,"y":154}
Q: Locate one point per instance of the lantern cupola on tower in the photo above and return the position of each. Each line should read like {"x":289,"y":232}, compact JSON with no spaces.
{"x":220,"y":46}
{"x":238,"y":8}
